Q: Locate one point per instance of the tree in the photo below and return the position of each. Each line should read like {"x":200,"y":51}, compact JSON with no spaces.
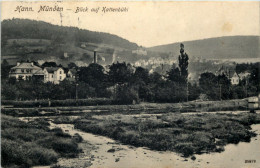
{"x":126,"y":94}
{"x":5,"y":69}
{"x":224,"y":87}
{"x":141,"y":74}
{"x":183,"y":64}
{"x":120,"y":73}
{"x":94,"y":75}
{"x":208,"y":83}
{"x":49,"y":64}
{"x":174,"y":74}
{"x":72,"y":65}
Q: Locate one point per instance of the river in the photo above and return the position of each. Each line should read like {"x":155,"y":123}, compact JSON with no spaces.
{"x":126,"y":156}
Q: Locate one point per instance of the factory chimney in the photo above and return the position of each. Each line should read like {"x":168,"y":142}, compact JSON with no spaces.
{"x":95,"y":57}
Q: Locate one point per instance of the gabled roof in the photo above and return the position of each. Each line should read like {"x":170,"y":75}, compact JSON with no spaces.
{"x":26,"y":65}
{"x":52,"y":69}
{"x":234,"y":75}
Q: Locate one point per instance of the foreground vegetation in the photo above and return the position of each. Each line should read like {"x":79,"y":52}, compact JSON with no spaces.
{"x":33,"y":143}
{"x":184,"y":134}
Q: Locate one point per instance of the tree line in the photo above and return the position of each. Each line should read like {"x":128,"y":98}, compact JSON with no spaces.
{"x":126,"y":84}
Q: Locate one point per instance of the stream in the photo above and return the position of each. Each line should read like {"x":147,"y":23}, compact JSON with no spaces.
{"x":125,"y":156}
{"x":95,"y":154}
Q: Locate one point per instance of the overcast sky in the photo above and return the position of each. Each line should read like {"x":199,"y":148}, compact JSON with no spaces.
{"x":151,"y":23}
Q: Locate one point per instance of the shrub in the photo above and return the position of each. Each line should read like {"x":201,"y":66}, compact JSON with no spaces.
{"x":77,"y":138}
{"x":26,"y":154}
{"x":33,"y":143}
{"x":126,"y":95}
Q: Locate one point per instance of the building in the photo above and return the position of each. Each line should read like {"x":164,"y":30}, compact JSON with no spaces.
{"x":70,"y":74}
{"x":244,"y":75}
{"x":54,"y":74}
{"x":235,"y":79}
{"x":140,"y":51}
{"x":26,"y":71}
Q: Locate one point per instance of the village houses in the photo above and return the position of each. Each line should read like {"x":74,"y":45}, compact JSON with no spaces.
{"x":28,"y":71}
{"x":232,"y":75}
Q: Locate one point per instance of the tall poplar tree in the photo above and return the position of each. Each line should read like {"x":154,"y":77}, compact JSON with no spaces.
{"x":183,"y":64}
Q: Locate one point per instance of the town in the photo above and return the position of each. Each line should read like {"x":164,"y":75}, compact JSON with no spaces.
{"x":147,"y":84}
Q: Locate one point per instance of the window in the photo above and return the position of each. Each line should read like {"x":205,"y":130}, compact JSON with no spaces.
{"x":60,"y":72}
{"x":22,"y":70}
{"x":60,"y":77}
{"x":52,"y":76}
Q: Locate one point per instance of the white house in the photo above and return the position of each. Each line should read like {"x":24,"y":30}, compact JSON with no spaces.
{"x":26,"y":71}
{"x":235,"y":79}
{"x":54,"y":74}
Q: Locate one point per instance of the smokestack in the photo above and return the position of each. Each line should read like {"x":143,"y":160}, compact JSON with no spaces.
{"x":95,"y":57}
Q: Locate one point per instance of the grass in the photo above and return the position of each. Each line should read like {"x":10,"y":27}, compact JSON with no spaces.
{"x":184,"y":134}
{"x":33,"y":143}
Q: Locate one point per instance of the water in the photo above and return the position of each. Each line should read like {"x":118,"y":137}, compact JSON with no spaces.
{"x":126,"y":156}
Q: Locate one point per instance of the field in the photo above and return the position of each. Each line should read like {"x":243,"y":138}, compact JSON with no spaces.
{"x":181,"y":133}
{"x":33,"y":143}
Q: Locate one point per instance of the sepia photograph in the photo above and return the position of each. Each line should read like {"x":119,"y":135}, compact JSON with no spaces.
{"x":130,"y":84}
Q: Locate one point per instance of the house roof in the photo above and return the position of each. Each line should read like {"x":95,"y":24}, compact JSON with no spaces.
{"x":52,"y":69}
{"x":39,"y":72}
{"x":234,"y":75}
{"x":26,"y":65}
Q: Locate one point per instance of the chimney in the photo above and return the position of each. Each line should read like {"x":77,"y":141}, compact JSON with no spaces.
{"x":18,"y":63}
{"x":95,"y":57}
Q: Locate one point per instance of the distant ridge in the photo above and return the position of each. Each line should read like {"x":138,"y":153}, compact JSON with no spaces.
{"x":227,"y":47}
{"x":32,"y":29}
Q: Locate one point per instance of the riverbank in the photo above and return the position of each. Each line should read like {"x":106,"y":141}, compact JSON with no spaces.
{"x":193,"y":106}
{"x":127,"y":156}
{"x":183,"y":134}
{"x":102,"y":151}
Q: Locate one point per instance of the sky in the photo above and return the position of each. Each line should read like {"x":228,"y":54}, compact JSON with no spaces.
{"x":149,"y":23}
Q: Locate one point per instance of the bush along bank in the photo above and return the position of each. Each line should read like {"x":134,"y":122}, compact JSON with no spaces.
{"x":184,"y":134}
{"x":33,"y":143}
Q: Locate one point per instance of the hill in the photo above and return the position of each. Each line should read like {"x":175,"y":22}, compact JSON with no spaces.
{"x":228,"y":47}
{"x":24,"y":39}
{"x":31,"y":29}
